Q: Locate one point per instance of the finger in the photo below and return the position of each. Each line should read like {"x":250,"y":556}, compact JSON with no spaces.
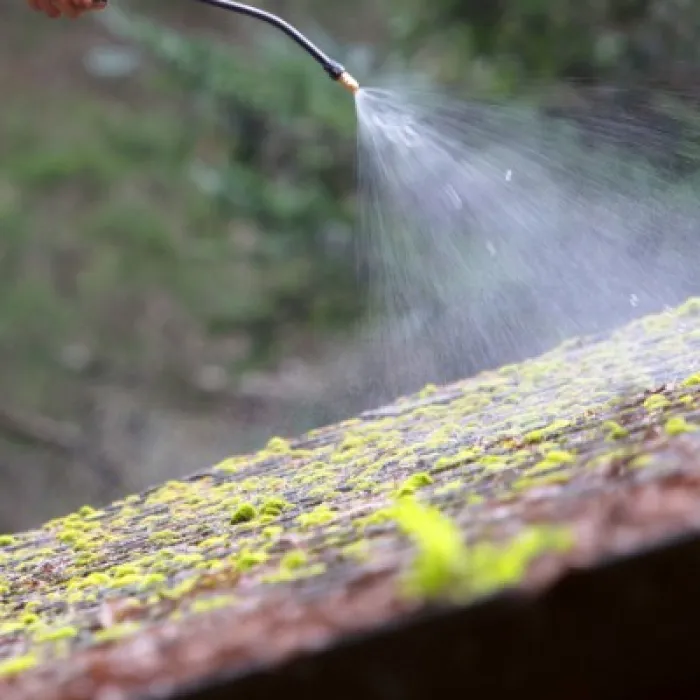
{"x":52,"y":9}
{"x":44,"y":6}
{"x":64,"y":7}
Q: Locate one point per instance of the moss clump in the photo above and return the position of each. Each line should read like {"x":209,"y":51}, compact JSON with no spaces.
{"x":96,"y":578}
{"x":116,"y":632}
{"x":692,"y":380}
{"x":248,"y":560}
{"x":413,"y":483}
{"x":272,"y":532}
{"x":212,"y":542}
{"x":559,"y":457}
{"x":294,"y":560}
{"x":7,"y":540}
{"x":56,"y":634}
{"x":164,"y":537}
{"x":318,"y":516}
{"x":205,"y":605}
{"x":428,"y":390}
{"x":379,"y":517}
{"x":690,"y":308}
{"x":125,"y":570}
{"x":678,"y":426}
{"x":278,"y":445}
{"x":541,"y":434}
{"x":244,"y":513}
{"x":274,"y":506}
{"x":656,"y":402}
{"x":614,"y":431}
{"x":442,"y":556}
{"x":463,"y":457}
{"x":19,"y":664}
{"x":445,"y":566}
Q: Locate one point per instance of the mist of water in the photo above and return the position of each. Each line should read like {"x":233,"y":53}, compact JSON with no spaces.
{"x":490,"y":232}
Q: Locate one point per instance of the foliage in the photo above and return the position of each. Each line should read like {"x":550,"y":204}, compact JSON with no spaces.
{"x":611,"y":39}
{"x":212,"y":226}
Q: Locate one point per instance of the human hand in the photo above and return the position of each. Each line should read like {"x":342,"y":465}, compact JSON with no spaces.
{"x":67,"y":8}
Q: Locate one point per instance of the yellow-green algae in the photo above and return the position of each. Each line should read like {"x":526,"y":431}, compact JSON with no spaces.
{"x":415,"y":479}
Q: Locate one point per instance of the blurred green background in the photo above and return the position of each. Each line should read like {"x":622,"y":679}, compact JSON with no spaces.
{"x":177,"y":203}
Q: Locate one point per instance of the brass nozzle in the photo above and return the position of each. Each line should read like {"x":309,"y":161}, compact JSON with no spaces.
{"x":348,"y":82}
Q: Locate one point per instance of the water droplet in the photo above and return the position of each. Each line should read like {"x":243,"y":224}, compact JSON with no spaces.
{"x":634,"y":300}
{"x":454,"y":198}
{"x":509,"y":175}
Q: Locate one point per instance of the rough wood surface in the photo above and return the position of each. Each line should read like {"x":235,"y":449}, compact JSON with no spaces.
{"x":505,"y":481}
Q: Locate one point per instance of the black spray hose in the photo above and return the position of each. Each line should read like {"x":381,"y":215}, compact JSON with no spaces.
{"x":334,"y":69}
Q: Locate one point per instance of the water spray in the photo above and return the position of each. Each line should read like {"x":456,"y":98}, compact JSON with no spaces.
{"x":335,"y":70}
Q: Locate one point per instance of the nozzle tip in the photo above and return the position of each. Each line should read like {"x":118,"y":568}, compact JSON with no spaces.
{"x":348,"y":82}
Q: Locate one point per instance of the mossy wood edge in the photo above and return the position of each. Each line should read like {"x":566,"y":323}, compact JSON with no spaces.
{"x":448,"y":497}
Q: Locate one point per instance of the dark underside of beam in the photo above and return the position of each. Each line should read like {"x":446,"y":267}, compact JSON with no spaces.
{"x":625,"y":629}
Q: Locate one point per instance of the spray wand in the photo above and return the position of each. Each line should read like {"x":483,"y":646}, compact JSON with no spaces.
{"x":334,"y":69}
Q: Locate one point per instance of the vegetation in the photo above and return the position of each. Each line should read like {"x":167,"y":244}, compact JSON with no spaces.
{"x":173,"y":230}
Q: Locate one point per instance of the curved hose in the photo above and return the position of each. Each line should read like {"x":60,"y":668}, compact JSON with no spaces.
{"x":334,"y":69}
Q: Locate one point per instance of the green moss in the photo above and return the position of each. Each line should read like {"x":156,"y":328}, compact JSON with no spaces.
{"x":187,"y":559}
{"x":413,"y":483}
{"x":463,"y":457}
{"x":164,"y":537}
{"x":444,"y":566}
{"x":535,"y":436}
{"x":678,"y":425}
{"x":272,"y":532}
{"x":692,"y":380}
{"x":318,"y":516}
{"x":248,"y":560}
{"x":17,"y":665}
{"x":656,"y":402}
{"x":244,"y":513}
{"x":7,"y":540}
{"x":442,"y":556}
{"x":559,"y":457}
{"x":379,"y":517}
{"x":85,"y":559}
{"x":211,"y":603}
{"x":274,"y":506}
{"x":449,"y":487}
{"x":278,"y":445}
{"x":495,"y":462}
{"x":614,"y":431}
{"x":116,"y":632}
{"x":640,"y":462}
{"x":294,"y":559}
{"x":690,"y":308}
{"x":96,"y":578}
{"x":125,"y":570}
{"x":56,"y":634}
{"x":69,"y":536}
